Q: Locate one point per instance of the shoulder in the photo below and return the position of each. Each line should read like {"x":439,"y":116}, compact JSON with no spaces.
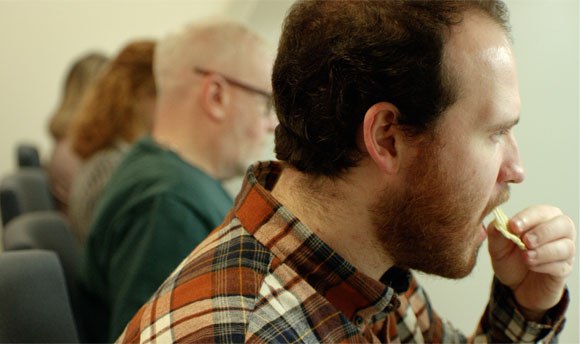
{"x":144,"y":171}
{"x":148,"y":162}
{"x":150,"y":169}
{"x":99,"y":166}
{"x":224,"y":275}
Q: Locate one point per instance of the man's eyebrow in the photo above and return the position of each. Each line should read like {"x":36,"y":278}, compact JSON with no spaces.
{"x":505,"y":125}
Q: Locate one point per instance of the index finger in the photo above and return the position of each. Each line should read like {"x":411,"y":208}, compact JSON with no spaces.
{"x":559,"y":227}
{"x":531,"y":217}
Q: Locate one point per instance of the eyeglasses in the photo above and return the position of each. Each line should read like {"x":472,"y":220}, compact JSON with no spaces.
{"x":241,"y":85}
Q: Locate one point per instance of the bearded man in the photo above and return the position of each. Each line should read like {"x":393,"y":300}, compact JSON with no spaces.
{"x":395,"y":141}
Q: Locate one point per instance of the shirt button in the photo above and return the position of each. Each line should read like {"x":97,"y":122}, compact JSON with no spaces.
{"x":359,"y":321}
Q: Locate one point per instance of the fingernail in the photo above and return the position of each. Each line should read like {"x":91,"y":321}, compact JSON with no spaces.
{"x":532,"y":255}
{"x":519,"y":224}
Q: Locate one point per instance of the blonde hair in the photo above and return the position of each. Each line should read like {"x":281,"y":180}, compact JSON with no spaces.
{"x":109,"y":111}
{"x":80,"y":76}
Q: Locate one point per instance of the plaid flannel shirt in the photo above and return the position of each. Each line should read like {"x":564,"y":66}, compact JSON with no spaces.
{"x":264,"y":277}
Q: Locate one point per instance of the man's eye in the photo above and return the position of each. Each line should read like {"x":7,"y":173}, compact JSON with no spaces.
{"x":502,"y":132}
{"x":499,"y":135}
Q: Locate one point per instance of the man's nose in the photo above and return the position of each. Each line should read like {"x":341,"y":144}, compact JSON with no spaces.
{"x":512,"y":170}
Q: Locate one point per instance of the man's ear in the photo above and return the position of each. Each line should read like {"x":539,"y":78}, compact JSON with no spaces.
{"x":215,"y":96}
{"x":382,"y":138}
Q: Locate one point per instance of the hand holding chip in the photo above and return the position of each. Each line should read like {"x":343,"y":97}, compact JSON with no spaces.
{"x":537,"y":276}
{"x":501,"y":224}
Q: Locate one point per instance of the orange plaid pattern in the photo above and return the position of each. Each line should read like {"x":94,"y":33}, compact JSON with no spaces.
{"x":264,"y":277}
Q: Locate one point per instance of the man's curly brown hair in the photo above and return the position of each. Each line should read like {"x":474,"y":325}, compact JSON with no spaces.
{"x":338,"y":58}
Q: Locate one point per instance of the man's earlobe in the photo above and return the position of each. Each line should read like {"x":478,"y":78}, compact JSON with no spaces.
{"x":381,"y":136}
{"x":215,"y":97}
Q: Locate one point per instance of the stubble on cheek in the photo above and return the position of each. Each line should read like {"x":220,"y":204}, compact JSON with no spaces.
{"x":433,"y":225}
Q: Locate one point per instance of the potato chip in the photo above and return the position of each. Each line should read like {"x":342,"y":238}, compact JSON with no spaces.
{"x":501,"y":223}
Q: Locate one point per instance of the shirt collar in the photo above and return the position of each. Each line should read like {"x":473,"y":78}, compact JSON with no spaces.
{"x":352,"y":292}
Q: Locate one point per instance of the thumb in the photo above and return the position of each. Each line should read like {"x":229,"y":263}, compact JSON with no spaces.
{"x":505,"y":258}
{"x":499,"y":247}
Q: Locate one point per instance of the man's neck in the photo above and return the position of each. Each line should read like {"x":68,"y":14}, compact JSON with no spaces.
{"x":337,"y":211}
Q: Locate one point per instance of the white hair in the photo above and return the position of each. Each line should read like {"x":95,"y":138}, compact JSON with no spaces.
{"x":217,"y":44}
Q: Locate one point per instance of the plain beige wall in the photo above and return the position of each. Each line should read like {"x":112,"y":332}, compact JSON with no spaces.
{"x":39,"y":39}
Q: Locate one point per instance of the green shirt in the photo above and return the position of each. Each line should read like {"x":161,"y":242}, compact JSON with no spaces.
{"x":154,"y":211}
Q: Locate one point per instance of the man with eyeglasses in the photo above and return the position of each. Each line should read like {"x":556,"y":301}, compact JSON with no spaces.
{"x":214,"y":110}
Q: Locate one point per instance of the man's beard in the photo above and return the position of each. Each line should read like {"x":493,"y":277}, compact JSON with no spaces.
{"x":433,"y":225}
